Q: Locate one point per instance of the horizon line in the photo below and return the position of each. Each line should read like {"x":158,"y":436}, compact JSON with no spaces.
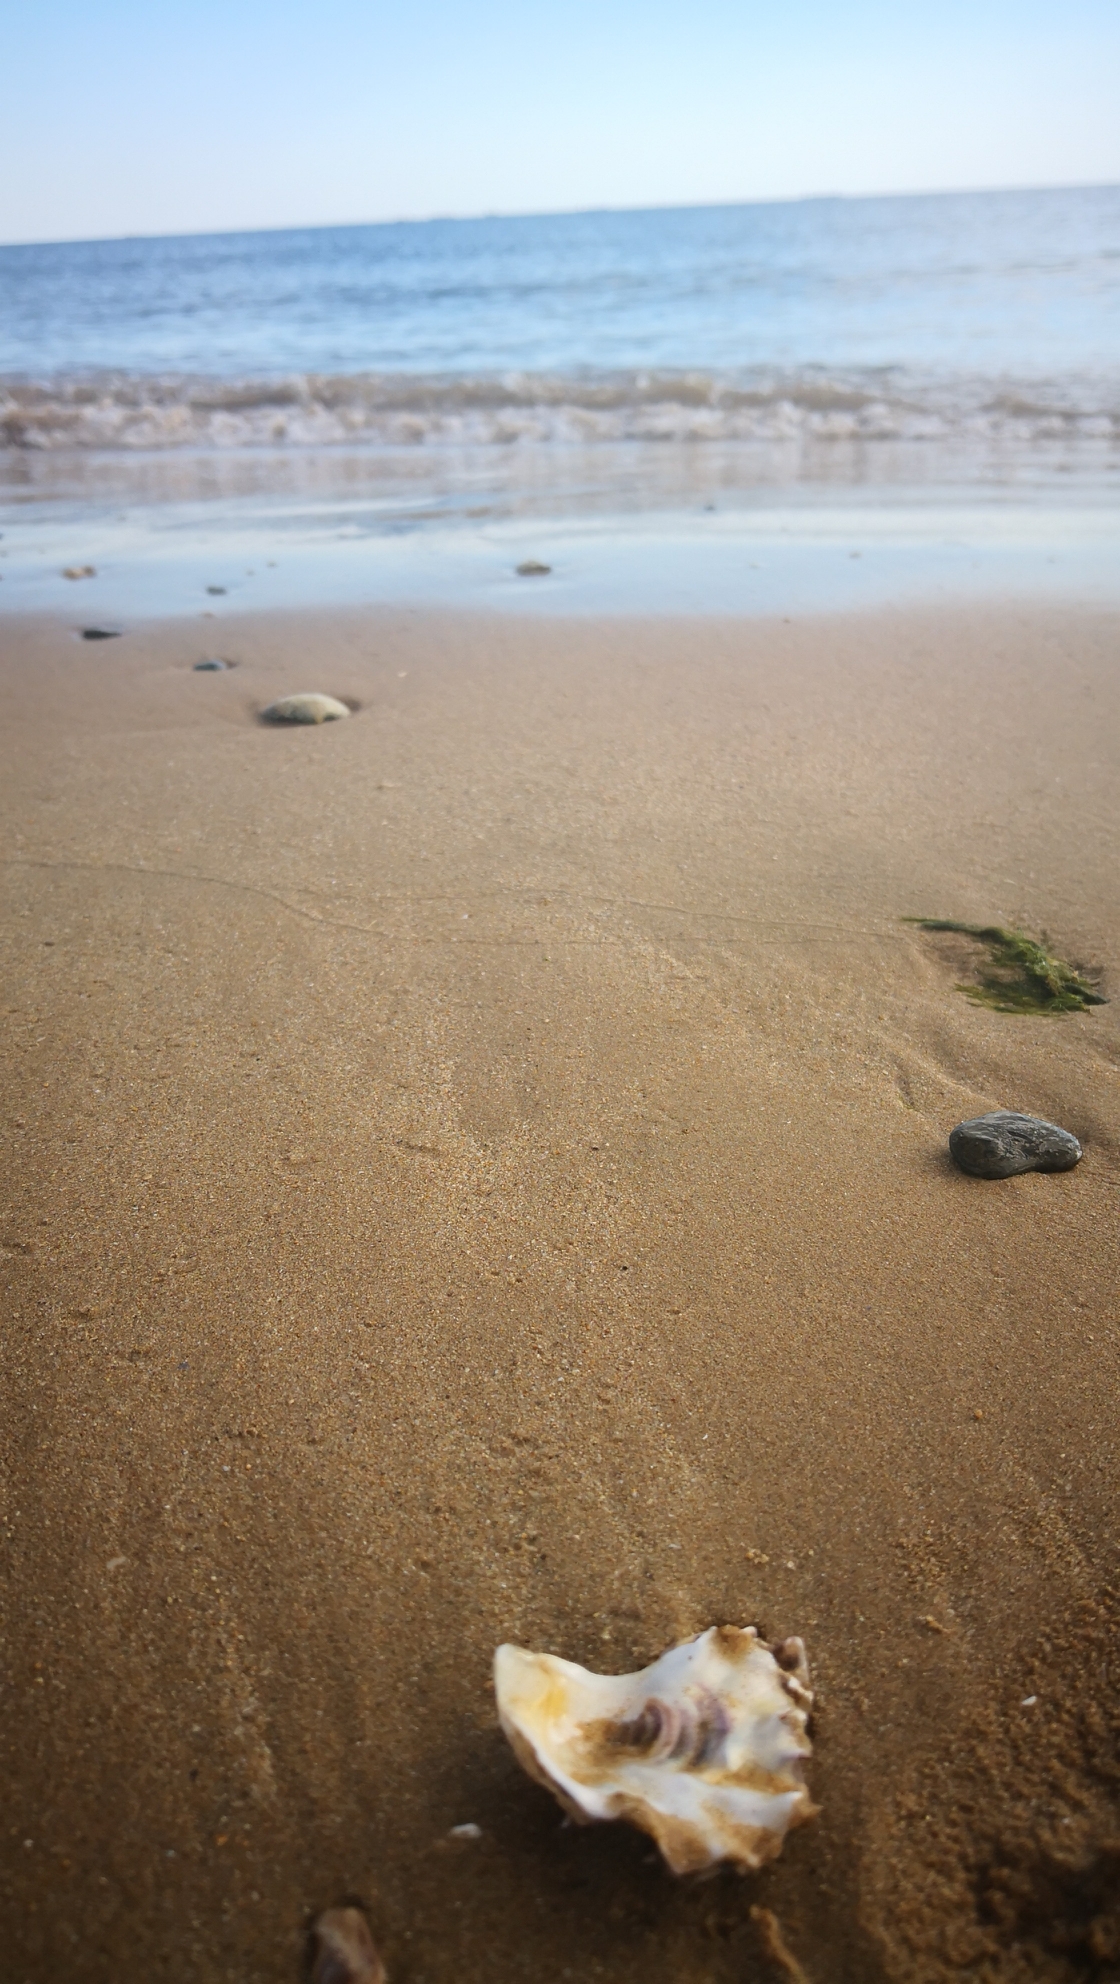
{"x":557,"y":213}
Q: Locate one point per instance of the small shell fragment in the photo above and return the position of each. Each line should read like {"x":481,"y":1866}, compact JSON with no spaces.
{"x":308,"y":708}
{"x":703,"y":1750}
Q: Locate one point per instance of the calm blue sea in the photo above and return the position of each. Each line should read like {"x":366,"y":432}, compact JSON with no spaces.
{"x":964,"y":323}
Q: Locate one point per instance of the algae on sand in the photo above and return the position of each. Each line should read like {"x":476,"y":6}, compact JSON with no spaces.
{"x":1024,"y":976}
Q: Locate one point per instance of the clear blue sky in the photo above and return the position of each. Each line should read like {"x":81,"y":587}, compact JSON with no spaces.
{"x":135,"y":117}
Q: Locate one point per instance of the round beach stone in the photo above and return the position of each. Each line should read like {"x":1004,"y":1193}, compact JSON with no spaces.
{"x":1004,"y":1143}
{"x":309,"y":708}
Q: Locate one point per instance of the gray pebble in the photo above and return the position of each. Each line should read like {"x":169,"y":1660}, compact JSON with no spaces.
{"x":307,"y":708}
{"x":212,"y":667}
{"x":1004,"y":1143}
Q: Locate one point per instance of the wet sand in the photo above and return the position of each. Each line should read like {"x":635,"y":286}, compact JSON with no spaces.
{"x":477,"y":1171}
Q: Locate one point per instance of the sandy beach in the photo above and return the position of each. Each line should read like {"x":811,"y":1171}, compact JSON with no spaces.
{"x":478,"y":1172}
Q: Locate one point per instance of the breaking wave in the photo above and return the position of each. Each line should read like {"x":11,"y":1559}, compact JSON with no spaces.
{"x":120,"y":412}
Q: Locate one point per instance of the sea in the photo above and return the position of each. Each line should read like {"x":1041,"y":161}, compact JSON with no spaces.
{"x":937,"y":367}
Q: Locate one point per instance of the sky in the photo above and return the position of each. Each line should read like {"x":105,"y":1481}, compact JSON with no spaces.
{"x":122,"y":117}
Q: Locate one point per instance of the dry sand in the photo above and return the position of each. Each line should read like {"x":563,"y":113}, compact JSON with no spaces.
{"x":477,"y":1171}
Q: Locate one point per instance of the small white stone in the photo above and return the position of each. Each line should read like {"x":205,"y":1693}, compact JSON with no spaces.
{"x":307,"y":708}
{"x":468,"y":1831}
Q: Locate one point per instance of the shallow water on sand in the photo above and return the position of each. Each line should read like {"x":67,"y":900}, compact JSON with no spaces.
{"x":773,"y":555}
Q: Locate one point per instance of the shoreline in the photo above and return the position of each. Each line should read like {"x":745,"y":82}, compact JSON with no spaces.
{"x":477,"y":1172}
{"x":762,"y":553}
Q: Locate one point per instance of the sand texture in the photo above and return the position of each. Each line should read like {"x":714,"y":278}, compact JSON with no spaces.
{"x":478,"y":1172}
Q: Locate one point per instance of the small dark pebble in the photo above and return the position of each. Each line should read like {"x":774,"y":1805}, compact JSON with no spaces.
{"x":215,"y":589}
{"x":100,"y":633}
{"x":531,"y":569}
{"x":1004,"y":1143}
{"x":212,"y":667}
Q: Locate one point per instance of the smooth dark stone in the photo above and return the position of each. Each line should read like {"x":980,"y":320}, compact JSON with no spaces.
{"x":215,"y":590}
{"x":101,"y":633}
{"x":1004,"y":1143}
{"x":213,"y":667}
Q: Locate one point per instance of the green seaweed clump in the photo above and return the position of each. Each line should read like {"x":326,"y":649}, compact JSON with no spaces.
{"x":1024,"y":976}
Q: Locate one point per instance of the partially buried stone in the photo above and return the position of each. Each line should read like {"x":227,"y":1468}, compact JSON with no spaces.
{"x":100,"y":633}
{"x":212,"y":667}
{"x":531,"y":568}
{"x":1004,"y":1143}
{"x":305,"y":709}
{"x":343,"y":1951}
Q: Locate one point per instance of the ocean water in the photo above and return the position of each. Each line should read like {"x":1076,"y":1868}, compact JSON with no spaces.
{"x":350,"y":384}
{"x":983,"y":319}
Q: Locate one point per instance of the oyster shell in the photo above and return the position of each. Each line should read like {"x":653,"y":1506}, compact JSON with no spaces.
{"x":703,"y":1750}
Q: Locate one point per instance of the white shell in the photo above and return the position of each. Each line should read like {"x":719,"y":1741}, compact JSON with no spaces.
{"x":703,"y":1750}
{"x":306,"y":708}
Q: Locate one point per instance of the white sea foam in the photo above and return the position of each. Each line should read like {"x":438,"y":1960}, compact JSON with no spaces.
{"x":138,"y":413}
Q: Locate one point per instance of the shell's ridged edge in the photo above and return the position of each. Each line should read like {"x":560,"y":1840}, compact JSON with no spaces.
{"x":753,"y":1847}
